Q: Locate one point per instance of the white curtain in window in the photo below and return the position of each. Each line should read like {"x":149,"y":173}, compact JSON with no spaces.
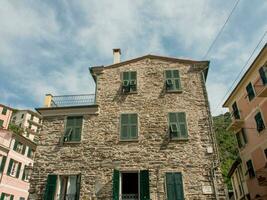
{"x":71,"y":189}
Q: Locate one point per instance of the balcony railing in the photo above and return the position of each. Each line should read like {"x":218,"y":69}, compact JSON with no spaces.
{"x":69,"y":100}
{"x":129,"y":196}
{"x":237,"y":121}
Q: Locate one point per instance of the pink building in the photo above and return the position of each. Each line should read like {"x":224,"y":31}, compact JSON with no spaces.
{"x":16,"y":159}
{"x":5,"y":116}
{"x":248,"y":106}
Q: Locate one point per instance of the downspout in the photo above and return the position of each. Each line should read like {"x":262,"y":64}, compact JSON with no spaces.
{"x":213,"y":140}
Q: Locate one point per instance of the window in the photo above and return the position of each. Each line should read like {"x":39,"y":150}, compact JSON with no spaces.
{"x":241,"y":138}
{"x":172,"y":80}
{"x":19,"y":147}
{"x":22,"y":116}
{"x":174,"y":186}
{"x":177,"y":126}
{"x":30,"y":153}
{"x":1,"y":123}
{"x":129,"y":127}
{"x":250,"y":91}
{"x":250,"y":169}
{"x":73,"y":129}
{"x":4,"y":111}
{"x":14,"y":168}
{"x":129,"y":83}
{"x":21,"y":198}
{"x":3,"y":163}
{"x":32,"y":117}
{"x":5,"y":196}
{"x":259,"y":122}
{"x":236,"y":113}
{"x":30,"y":127}
{"x":263,"y":74}
{"x":265,"y":152}
{"x":62,"y":187}
{"x":26,"y":175}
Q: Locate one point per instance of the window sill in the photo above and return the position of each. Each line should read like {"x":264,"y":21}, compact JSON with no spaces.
{"x":174,"y":91}
{"x":126,"y":93}
{"x":179,"y":139}
{"x":128,"y":140}
{"x":71,"y":142}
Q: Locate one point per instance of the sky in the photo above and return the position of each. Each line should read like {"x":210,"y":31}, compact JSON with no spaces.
{"x":48,"y":46}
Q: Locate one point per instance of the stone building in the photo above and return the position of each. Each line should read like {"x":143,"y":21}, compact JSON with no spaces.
{"x":145,"y":134}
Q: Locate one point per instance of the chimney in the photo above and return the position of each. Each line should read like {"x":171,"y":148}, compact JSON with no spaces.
{"x":116,"y":55}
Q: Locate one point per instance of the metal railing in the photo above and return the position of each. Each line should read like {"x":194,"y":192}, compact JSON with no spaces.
{"x":129,"y":196}
{"x":72,"y":100}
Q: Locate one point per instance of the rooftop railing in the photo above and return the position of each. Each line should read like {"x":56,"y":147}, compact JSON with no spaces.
{"x":69,"y":100}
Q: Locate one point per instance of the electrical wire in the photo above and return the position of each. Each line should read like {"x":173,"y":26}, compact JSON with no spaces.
{"x":220,"y":31}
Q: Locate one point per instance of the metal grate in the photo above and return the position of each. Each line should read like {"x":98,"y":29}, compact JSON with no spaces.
{"x":73,"y":100}
{"x":129,"y":196}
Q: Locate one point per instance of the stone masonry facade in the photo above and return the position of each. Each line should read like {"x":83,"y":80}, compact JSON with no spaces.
{"x":101,"y":150}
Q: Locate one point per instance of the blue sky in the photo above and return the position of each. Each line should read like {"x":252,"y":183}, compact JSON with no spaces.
{"x":47,"y":46}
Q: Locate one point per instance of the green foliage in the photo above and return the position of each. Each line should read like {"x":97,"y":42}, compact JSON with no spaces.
{"x":227,"y":144}
{"x":15,"y":129}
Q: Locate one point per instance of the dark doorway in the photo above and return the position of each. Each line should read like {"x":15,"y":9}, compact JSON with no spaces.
{"x":129,"y":186}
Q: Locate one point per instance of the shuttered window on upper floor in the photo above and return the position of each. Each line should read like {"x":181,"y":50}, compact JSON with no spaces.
{"x":250,"y":169}
{"x":128,"y":126}
{"x":250,"y":91}
{"x":172,"y":80}
{"x":263,"y":74}
{"x":4,"y":111}
{"x":241,"y":137}
{"x":129,"y":81}
{"x":73,"y":128}
{"x":178,"y":125}
{"x":259,"y":122}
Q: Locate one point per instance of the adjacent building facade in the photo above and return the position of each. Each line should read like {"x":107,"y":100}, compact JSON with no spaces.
{"x":16,"y":161}
{"x":145,"y":134}
{"x":248,"y":106}
{"x":29,"y":121}
{"x":5,"y":116}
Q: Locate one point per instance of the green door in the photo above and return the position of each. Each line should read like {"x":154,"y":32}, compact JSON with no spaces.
{"x":50,"y":187}
{"x":174,"y":186}
{"x":144,"y":185}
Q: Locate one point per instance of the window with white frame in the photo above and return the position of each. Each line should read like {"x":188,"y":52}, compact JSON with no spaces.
{"x":14,"y":168}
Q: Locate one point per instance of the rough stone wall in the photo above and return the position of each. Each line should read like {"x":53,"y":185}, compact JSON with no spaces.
{"x":101,"y":150}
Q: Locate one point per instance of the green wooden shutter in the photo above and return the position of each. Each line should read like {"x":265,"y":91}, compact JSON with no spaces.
{"x":171,"y":193}
{"x":2,"y":196}
{"x":15,"y":145}
{"x":10,"y":166}
{"x":2,"y":167}
{"x":144,"y":185}
{"x":1,"y":123}
{"x":238,"y":139}
{"x":173,"y":120}
{"x":18,"y":170}
{"x":50,"y":187}
{"x":174,"y":186}
{"x":133,"y":125}
{"x":176,"y":77}
{"x":259,"y":122}
{"x":182,"y":124}
{"x":23,"y":175}
{"x":29,"y":152}
{"x":11,"y":197}
{"x":244,"y":135}
{"x":250,"y":91}
{"x":179,"y":186}
{"x":23,"y":149}
{"x":4,"y":111}
{"x":126,"y":76}
{"x":78,"y":187}
{"x":124,"y":127}
{"x":116,"y":184}
{"x":263,"y":74}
